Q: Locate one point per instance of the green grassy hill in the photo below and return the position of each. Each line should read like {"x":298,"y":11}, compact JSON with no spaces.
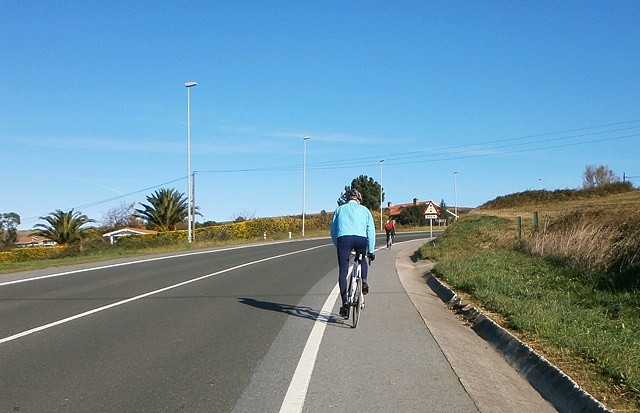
{"x":569,"y":287}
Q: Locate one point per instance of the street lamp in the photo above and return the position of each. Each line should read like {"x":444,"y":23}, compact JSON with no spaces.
{"x":455,"y":193}
{"x":381,"y":162}
{"x":304,"y":179}
{"x":189,"y":85}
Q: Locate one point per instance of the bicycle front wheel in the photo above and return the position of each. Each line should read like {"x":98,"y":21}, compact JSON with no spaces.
{"x":357,"y":303}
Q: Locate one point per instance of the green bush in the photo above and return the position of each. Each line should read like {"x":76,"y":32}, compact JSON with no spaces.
{"x":217,"y":233}
{"x":256,"y":228}
{"x":160,"y":239}
{"x":318,"y":222}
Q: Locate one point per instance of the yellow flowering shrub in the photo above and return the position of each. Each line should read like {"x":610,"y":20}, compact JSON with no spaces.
{"x":30,"y":254}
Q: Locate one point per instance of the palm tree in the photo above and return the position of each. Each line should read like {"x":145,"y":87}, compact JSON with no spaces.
{"x":167,"y":208}
{"x":63,"y":227}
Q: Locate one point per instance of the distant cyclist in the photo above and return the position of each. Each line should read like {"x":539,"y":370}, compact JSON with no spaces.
{"x":352,"y":228}
{"x":390,"y":229}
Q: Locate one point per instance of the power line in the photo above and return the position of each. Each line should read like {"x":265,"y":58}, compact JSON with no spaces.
{"x":455,"y":155}
{"x":520,"y":150}
{"x":435,"y":155}
{"x":478,"y":146}
{"x":92,"y":204}
{"x":104,"y":201}
{"x":451,"y":152}
{"x":447,"y":153}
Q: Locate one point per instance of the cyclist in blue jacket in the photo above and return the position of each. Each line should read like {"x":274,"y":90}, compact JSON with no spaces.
{"x":352,"y":228}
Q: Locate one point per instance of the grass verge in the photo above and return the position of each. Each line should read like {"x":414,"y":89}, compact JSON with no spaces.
{"x":592,"y":334}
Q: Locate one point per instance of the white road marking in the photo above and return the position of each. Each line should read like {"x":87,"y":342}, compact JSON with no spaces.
{"x":296,"y":394}
{"x":138,"y":297}
{"x":102,"y":267}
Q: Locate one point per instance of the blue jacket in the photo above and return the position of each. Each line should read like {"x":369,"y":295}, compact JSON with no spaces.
{"x":353,"y":219}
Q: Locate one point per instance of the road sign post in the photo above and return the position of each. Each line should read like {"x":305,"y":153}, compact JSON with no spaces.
{"x":431,"y":212}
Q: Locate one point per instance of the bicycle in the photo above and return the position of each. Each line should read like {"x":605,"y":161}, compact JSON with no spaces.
{"x":355,"y":297}
{"x":390,"y":240}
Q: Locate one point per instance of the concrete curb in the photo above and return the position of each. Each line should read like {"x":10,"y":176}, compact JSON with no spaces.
{"x":554,"y":385}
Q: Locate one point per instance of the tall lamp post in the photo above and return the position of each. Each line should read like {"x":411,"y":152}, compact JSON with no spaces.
{"x":455,"y":192}
{"x":381,"y":162}
{"x":189,"y":85}
{"x":304,"y":179}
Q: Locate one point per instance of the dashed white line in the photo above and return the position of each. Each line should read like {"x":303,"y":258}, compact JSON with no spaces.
{"x":121,"y":264}
{"x":138,"y":297}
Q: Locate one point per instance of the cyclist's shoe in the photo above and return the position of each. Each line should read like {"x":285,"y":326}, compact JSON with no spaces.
{"x":365,"y":288}
{"x":344,"y":311}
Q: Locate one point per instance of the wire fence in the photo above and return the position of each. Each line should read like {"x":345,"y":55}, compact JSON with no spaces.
{"x":633,"y":179}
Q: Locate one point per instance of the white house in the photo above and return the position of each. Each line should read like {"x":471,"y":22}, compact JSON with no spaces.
{"x":127,"y":232}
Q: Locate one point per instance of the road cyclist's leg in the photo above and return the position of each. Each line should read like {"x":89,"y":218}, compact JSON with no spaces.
{"x":344,"y":247}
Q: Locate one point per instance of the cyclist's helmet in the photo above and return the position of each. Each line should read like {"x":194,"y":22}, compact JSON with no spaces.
{"x":354,"y":193}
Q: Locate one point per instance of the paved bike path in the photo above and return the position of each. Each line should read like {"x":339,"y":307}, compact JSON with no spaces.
{"x":489,"y":380}
{"x":411,"y":354}
{"x":391,"y":362}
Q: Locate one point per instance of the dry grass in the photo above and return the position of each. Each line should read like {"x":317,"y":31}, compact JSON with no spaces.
{"x":596,"y":234}
{"x":620,"y":203}
{"x":596,"y":241}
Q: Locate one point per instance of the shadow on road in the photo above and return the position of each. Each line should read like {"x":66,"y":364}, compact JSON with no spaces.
{"x":294,"y":310}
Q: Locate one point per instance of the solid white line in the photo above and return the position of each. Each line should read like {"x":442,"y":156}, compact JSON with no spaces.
{"x":102,"y":267}
{"x":296,"y":394}
{"x":138,"y":297}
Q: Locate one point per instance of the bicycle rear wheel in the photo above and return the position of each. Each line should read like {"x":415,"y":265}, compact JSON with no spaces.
{"x":357,"y":303}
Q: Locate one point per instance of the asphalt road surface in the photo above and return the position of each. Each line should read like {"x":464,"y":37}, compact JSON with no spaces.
{"x":243,"y":329}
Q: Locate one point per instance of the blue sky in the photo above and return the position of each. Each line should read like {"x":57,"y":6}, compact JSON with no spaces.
{"x":511,"y":95}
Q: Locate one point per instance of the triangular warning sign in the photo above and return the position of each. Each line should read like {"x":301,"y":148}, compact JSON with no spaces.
{"x":431,"y":209}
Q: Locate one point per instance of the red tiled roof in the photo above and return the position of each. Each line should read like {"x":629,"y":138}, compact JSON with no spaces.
{"x":395,"y":210}
{"x":32,"y":240}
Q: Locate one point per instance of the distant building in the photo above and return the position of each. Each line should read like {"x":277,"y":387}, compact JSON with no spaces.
{"x":34,"y":241}
{"x":395,"y":210}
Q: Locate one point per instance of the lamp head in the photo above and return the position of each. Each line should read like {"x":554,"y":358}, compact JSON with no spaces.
{"x":190,"y":84}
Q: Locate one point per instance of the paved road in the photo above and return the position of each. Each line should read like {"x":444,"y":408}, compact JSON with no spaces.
{"x":220,"y":331}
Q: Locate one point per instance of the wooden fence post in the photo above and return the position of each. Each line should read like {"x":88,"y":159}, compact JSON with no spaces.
{"x":519,"y":227}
